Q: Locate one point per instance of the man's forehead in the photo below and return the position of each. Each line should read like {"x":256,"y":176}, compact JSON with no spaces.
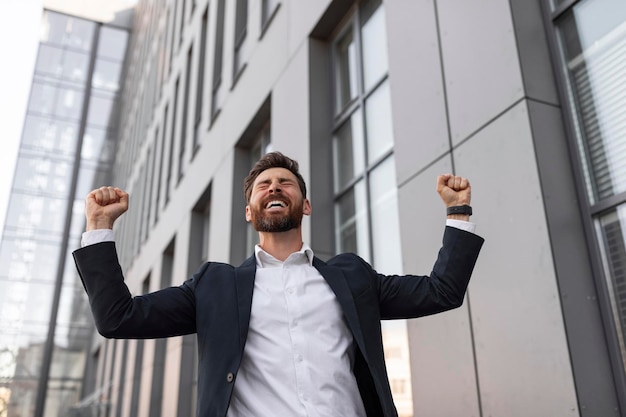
{"x":274,"y":173}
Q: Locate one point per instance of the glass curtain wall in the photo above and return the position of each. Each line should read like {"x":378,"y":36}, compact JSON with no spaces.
{"x":591,"y":38}
{"x":366,"y":207}
{"x":44,"y":322}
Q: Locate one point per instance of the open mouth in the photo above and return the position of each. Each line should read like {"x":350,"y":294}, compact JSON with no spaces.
{"x":275,"y":203}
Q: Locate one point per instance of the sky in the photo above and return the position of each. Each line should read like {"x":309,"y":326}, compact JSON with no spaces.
{"x":19,"y":36}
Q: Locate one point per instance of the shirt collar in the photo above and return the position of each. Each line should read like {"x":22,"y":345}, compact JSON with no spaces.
{"x":265,"y":260}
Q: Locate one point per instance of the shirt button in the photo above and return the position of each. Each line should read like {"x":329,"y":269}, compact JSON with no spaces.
{"x":230,"y":377}
{"x":290,"y":290}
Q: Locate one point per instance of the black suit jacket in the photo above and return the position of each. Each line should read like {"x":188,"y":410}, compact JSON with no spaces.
{"x":215,"y":303}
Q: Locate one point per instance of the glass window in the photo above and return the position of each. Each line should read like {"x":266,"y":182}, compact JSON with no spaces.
{"x":42,"y":175}
{"x":218,"y":90}
{"x":69,"y":103}
{"x":62,"y":63}
{"x":101,"y":110}
{"x":98,"y":145}
{"x":49,"y":135}
{"x":611,"y":229}
{"x":106,"y":75}
{"x":58,"y":100}
{"x":352,"y":226}
{"x":348,"y":150}
{"x":593,"y":42}
{"x":26,"y":258}
{"x":75,"y":66}
{"x":241,"y":31}
{"x":66,"y":30}
{"x":29,"y":213}
{"x":112,"y":43}
{"x":378,"y":123}
{"x":185,"y":116}
{"x":385,"y":221}
{"x":49,"y":60}
{"x":374,"y":44}
{"x":79,"y":33}
{"x":268,"y":9}
{"x":366,"y":207}
{"x":42,"y":98}
{"x":591,"y":36}
{"x":200,"y":76}
{"x":53,"y":28}
{"x":557,"y":3}
{"x":346,"y":85}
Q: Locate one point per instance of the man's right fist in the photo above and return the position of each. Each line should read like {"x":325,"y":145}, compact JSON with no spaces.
{"x":103,"y":206}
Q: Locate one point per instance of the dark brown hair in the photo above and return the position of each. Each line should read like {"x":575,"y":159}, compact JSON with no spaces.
{"x":272,"y":160}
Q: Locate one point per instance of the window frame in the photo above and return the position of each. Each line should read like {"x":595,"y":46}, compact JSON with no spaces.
{"x":591,"y":213}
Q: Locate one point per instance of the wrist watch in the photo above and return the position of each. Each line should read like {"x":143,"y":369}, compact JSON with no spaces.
{"x":464,"y":209}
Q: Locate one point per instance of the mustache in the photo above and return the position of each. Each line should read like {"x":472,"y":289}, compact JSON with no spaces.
{"x":274,"y":198}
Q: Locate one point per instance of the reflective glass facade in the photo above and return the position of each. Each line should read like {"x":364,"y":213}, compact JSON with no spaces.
{"x":591,"y":37}
{"x":68,"y":143}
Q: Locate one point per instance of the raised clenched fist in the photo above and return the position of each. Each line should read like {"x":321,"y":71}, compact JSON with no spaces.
{"x":103,"y":206}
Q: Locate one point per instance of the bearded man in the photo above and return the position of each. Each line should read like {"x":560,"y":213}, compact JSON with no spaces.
{"x":284,"y":334}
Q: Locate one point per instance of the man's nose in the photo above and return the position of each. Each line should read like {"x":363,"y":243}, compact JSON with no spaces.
{"x":274,"y":187}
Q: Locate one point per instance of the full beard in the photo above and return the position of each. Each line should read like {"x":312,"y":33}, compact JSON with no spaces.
{"x":274,"y":223}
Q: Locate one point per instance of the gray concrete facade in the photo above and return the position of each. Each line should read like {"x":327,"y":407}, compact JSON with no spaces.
{"x":473,"y":92}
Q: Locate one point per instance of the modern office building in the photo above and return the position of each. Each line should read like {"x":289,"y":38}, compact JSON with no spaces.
{"x":67,"y":145}
{"x":374,"y":99}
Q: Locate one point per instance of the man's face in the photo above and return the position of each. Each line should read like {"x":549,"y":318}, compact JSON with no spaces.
{"x":276,"y":203}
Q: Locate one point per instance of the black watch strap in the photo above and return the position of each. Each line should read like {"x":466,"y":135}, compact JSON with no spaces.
{"x":464,"y":209}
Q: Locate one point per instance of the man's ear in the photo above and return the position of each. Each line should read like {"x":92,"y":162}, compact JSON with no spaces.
{"x":248,"y":214}
{"x":306,"y":209}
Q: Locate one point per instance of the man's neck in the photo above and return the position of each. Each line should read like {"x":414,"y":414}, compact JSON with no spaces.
{"x":281,"y":245}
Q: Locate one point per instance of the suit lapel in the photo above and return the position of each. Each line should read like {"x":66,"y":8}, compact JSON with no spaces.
{"x":244,"y":281}
{"x":337,"y":282}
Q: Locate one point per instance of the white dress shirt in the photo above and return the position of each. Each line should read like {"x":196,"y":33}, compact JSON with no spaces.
{"x":299,"y":353}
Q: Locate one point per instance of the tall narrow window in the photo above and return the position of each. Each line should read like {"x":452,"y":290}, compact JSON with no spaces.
{"x":268,"y":10}
{"x":160,"y":345}
{"x":200,"y":222}
{"x":196,"y":256}
{"x":366,"y":208}
{"x":168,"y":181}
{"x":122,"y":379}
{"x":147,"y":195}
{"x":218,"y":88}
{"x":157,"y":202}
{"x":241,"y":31}
{"x":183,"y":135}
{"x":200,"y":88}
{"x":592,"y":43}
{"x":153,"y":177}
{"x":172,"y":30}
{"x":183,"y":3}
{"x":138,"y":363}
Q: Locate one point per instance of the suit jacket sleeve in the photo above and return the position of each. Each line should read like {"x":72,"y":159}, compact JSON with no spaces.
{"x":411,"y":296}
{"x":164,"y":313}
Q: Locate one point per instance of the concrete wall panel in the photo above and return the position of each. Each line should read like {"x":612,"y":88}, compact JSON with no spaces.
{"x":481,"y":65}
{"x":416,"y":83}
{"x":442,"y":361}
{"x":522,"y":356}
